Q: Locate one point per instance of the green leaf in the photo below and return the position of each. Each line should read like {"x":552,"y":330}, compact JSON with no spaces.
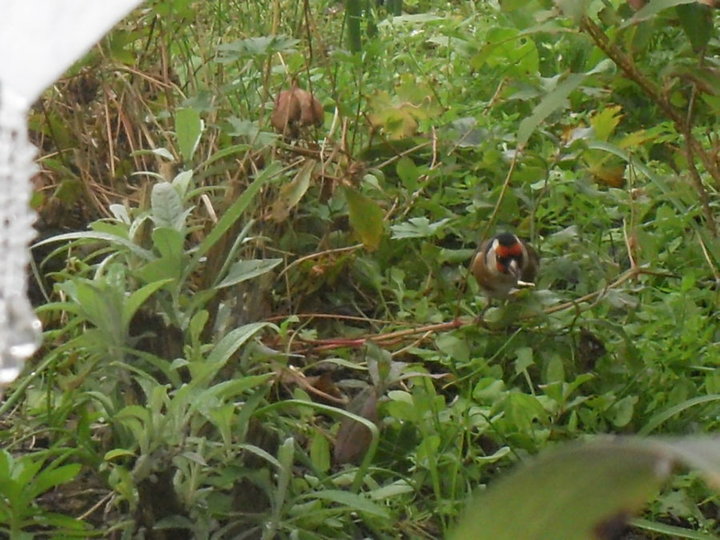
{"x":697,"y":23}
{"x":235,"y":387}
{"x":320,"y":452}
{"x":572,"y":492}
{"x":138,"y":298}
{"x":419,"y":227}
{"x":399,"y":487}
{"x":455,"y":347}
{"x":169,"y":243}
{"x":565,"y":494}
{"x":203,"y":371}
{"x":366,"y":218}
{"x":167,"y":207}
{"x":554,"y":101}
{"x":256,"y":46}
{"x":353,"y":501}
{"x":663,"y":416}
{"x":49,"y":478}
{"x":232,"y":214}
{"x":92,"y":235}
{"x":670,"y":531}
{"x":102,"y":307}
{"x":408,"y":173}
{"x":510,"y":49}
{"x":117,"y":453}
{"x":197,"y":324}
{"x":244,"y":270}
{"x":521,"y":410}
{"x":524,"y":359}
{"x":623,"y":411}
{"x":653,"y":8}
{"x":233,"y":341}
{"x":188,"y":129}
{"x":181,"y":182}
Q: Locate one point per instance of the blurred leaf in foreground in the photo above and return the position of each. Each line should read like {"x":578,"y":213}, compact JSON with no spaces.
{"x":576,"y":492}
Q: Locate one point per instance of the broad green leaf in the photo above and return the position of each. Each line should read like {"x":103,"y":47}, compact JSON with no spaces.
{"x":52,"y":477}
{"x":231,"y":389}
{"x":260,"y":453}
{"x":68,"y":526}
{"x":509,"y":48}
{"x":570,"y":493}
{"x":162,"y":269}
{"x":456,"y":347}
{"x":408,"y":173}
{"x":320,"y":452}
{"x":653,"y":8}
{"x":521,"y":410}
{"x":181,"y":182}
{"x":352,"y":501}
{"x":399,"y":487}
{"x":167,"y":207}
{"x":203,"y":371}
{"x":554,"y":101}
{"x":188,"y":129}
{"x":605,"y":121}
{"x":169,"y":243}
{"x":244,"y":270}
{"x":697,"y":23}
{"x":102,"y":307}
{"x":120,"y":212}
{"x":366,"y":218}
{"x":92,"y":235}
{"x":565,"y":494}
{"x":524,"y":359}
{"x":138,"y":298}
{"x":623,"y":411}
{"x":197,"y":324}
{"x":163,"y":153}
{"x":221,"y":415}
{"x":419,"y":227}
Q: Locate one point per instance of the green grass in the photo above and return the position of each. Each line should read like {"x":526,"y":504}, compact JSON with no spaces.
{"x":251,"y":337}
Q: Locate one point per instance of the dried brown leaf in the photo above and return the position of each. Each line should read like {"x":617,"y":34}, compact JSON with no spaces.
{"x":353,"y":438}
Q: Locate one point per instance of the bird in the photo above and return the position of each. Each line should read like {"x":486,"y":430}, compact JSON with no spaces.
{"x":503,"y":262}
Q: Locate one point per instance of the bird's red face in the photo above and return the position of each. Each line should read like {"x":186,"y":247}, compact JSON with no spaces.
{"x":508,"y":258}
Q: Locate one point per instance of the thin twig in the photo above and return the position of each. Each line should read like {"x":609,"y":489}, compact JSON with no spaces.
{"x":318,"y":255}
{"x":626,"y":64}
{"x":491,"y":222}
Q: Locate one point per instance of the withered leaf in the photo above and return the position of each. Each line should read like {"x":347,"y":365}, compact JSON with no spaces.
{"x":353,"y":438}
{"x":296,"y":108}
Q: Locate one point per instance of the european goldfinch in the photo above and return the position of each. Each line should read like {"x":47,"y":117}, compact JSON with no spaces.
{"x":502,"y":262}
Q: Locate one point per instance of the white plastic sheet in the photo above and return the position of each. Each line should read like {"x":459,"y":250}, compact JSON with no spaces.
{"x":39,"y":39}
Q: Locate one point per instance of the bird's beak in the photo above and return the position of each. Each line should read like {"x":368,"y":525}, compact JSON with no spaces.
{"x":514,"y":269}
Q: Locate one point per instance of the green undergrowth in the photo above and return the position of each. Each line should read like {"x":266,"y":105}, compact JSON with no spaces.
{"x":252,"y":334}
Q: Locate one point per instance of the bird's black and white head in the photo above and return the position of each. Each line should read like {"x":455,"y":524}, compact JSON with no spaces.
{"x":508,"y":253}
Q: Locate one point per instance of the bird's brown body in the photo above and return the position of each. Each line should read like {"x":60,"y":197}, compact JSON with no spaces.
{"x":503,"y":261}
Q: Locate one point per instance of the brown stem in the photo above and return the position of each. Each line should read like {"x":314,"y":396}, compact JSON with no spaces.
{"x":625,"y":63}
